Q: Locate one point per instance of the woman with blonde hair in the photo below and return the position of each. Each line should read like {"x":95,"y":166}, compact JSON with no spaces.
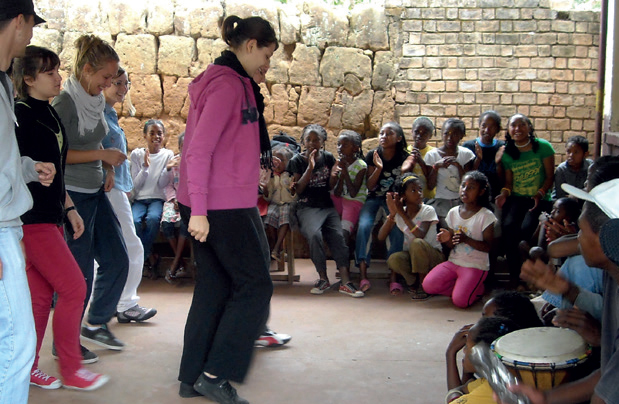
{"x":89,"y":174}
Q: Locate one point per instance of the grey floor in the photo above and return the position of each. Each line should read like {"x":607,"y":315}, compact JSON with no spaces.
{"x":377,"y":349}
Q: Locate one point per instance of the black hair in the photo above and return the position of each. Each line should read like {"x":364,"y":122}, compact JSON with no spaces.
{"x":152,"y":122}
{"x":401,"y":146}
{"x":425,"y":122}
{"x":317,"y":129}
{"x":510,"y":145}
{"x":283,"y":149}
{"x":404,"y":181}
{"x":481,"y":179}
{"x":516,"y":307}
{"x":490,"y":328}
{"x":495,"y":116}
{"x":580,"y":141}
{"x":35,"y":60}
{"x":571,"y":206}
{"x":456,"y":124}
{"x":355,"y":139}
{"x":604,"y":169}
{"x":236,"y":30}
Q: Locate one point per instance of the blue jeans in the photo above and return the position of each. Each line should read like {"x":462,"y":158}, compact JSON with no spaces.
{"x":367,"y":218}
{"x":103,"y":241}
{"x":17,"y":335}
{"x":146,"y":217}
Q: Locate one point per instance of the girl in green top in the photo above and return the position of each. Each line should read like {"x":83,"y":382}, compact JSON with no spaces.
{"x":529,"y":174}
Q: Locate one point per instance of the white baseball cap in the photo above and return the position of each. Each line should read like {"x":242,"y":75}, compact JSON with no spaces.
{"x":605,"y":196}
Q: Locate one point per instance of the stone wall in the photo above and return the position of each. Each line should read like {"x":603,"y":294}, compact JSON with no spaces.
{"x":355,"y":69}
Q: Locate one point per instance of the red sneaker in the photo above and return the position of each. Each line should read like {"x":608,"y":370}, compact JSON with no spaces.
{"x":85,"y":380}
{"x":43,"y":380}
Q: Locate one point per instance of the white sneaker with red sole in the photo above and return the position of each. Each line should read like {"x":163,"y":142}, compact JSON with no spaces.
{"x":43,"y":380}
{"x":85,"y":380}
{"x":271,"y":339}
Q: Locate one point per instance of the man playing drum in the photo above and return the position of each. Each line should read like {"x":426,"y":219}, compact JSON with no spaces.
{"x":599,"y":244}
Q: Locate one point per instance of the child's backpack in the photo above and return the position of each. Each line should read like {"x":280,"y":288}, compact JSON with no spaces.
{"x":285,"y":139}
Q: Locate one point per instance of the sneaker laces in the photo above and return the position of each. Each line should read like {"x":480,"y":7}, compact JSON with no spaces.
{"x":40,"y":375}
{"x":228,"y":389}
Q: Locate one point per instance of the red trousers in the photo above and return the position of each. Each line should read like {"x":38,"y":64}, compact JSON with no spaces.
{"x":50,"y":267}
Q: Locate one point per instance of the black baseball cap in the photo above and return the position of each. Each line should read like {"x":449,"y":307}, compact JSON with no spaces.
{"x":10,"y":9}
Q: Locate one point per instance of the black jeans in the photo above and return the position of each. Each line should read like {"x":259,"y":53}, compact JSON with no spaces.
{"x":231,"y":298}
{"x":519,"y":224}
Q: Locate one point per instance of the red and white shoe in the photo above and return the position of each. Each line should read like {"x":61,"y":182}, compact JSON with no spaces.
{"x":43,"y":380}
{"x":85,"y":380}
{"x":271,"y":339}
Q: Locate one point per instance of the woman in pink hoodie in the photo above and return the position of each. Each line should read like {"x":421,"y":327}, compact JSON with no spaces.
{"x":226,"y":142}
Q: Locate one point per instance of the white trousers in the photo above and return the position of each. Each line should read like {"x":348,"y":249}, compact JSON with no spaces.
{"x":135,"y":251}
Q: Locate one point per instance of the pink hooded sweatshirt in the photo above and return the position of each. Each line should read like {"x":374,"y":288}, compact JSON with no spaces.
{"x":220,"y":167}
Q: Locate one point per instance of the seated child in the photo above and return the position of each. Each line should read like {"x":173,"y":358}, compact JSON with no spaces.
{"x":417,"y":221}
{"x":350,"y":190}
{"x":470,"y":234}
{"x":171,"y":216}
{"x":318,"y":220}
{"x":509,"y":304}
{"x":564,"y":211}
{"x":279,"y":195}
{"x":488,"y":150}
{"x":449,"y":164}
{"x":423,"y":129}
{"x":478,"y":391}
{"x":574,"y":170}
{"x":149,"y":170}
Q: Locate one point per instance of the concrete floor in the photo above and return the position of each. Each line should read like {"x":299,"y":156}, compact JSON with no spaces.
{"x":375,"y":349}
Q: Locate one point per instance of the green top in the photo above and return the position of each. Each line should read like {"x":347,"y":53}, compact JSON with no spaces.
{"x":528,"y":171}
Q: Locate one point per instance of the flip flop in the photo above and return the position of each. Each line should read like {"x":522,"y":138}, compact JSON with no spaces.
{"x":420,"y":295}
{"x":365,"y":285}
{"x":395,"y":289}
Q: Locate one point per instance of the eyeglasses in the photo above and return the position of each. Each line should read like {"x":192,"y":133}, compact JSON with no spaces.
{"x":123,"y":83}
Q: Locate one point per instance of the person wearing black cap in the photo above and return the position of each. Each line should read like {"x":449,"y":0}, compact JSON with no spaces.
{"x":598,"y":240}
{"x":17,"y":335}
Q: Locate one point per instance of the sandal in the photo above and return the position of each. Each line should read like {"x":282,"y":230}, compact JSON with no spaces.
{"x":365,"y":285}
{"x":419,"y":295}
{"x":395,"y":288}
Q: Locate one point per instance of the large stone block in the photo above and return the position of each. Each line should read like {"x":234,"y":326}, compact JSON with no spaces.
{"x":314,"y":105}
{"x":127,"y":16}
{"x":322,"y":25}
{"x":267,"y":9}
{"x":385,"y":69}
{"x":356,"y":110}
{"x":208,"y":50}
{"x":367,"y":28}
{"x":383,"y":111}
{"x":174,"y":94}
{"x":337,"y":62}
{"x":198,"y":18}
{"x":138,"y":53}
{"x":160,"y":19}
{"x":280,"y":65}
{"x":289,"y":24}
{"x":304,"y":66}
{"x":47,"y":38}
{"x":285,"y":104}
{"x":175,"y":55}
{"x":146,"y":95}
{"x":53,"y":11}
{"x":84,"y":16}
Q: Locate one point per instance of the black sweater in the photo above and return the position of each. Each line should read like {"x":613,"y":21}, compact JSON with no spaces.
{"x":40,"y":135}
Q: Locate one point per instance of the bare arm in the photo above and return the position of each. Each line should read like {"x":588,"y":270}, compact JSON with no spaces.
{"x":481,"y":245}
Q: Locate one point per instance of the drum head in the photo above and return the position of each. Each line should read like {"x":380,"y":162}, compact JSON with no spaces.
{"x":542,"y":347}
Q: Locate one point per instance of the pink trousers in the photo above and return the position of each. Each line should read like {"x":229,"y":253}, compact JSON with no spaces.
{"x":464,"y":285}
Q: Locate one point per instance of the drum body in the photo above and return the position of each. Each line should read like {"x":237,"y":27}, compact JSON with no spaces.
{"x":543,"y":357}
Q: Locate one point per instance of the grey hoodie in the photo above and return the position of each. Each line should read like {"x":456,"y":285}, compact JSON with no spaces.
{"x":15,"y":171}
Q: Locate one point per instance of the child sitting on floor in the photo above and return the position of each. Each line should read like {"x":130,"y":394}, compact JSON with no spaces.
{"x":417,"y":221}
{"x":574,"y":170}
{"x":279,"y":195}
{"x":470,"y":234}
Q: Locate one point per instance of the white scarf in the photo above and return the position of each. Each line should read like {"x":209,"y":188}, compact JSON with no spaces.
{"x":90,"y":108}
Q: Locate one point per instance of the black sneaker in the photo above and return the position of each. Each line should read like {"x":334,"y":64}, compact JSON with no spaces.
{"x":221,"y":392}
{"x":102,"y":337}
{"x":87,"y":356}
{"x":136,"y":313}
